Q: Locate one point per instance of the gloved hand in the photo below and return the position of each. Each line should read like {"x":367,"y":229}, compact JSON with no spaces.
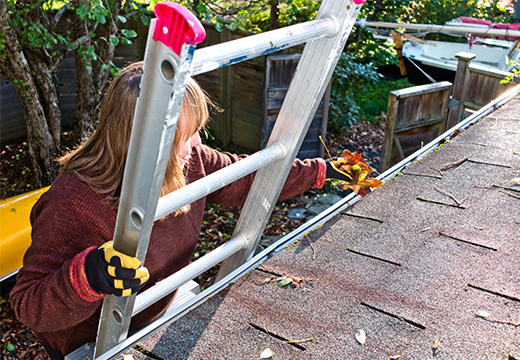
{"x":333,"y":173}
{"x":111,"y":272}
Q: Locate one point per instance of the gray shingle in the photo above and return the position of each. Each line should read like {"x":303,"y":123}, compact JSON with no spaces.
{"x":460,"y":334}
{"x":424,"y":285}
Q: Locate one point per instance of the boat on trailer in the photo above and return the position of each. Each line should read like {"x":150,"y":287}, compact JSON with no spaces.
{"x":434,"y":61}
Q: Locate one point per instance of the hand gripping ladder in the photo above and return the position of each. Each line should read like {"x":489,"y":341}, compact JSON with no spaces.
{"x":170,"y":58}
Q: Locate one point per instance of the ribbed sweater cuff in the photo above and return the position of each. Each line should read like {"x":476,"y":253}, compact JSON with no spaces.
{"x":78,"y":277}
{"x":320,"y":178}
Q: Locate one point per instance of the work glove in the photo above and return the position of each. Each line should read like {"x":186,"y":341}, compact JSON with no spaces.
{"x":111,"y":272}
{"x":333,"y":173}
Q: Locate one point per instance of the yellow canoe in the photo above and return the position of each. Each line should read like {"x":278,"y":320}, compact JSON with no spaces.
{"x":15,"y":230}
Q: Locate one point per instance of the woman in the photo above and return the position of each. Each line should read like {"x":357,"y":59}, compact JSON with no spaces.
{"x":70,"y":266}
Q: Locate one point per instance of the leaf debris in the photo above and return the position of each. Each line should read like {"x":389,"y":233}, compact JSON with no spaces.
{"x":285,"y":279}
{"x":266,"y":354}
{"x":356,"y":169}
{"x":361,"y":337}
{"x":515,"y":181}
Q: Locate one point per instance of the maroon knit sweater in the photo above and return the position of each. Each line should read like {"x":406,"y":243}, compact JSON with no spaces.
{"x":52,"y":295}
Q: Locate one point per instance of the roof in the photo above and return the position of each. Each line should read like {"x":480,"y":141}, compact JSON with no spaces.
{"x":411,"y":265}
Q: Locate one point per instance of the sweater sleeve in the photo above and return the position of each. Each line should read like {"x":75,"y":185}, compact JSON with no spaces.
{"x":304,"y":175}
{"x":50,"y":293}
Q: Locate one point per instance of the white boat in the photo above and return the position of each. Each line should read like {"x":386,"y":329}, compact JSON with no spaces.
{"x":437,"y":60}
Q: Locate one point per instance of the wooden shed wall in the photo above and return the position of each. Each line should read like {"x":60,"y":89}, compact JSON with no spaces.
{"x":239,"y":92}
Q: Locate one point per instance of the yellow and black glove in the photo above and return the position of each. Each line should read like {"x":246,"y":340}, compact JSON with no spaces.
{"x":111,"y":272}
{"x":334,"y":173}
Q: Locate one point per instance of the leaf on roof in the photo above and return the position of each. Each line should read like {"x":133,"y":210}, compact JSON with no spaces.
{"x":361,"y":337}
{"x":355,"y":168}
{"x":482,"y":313}
{"x":515,"y":181}
{"x":266,"y":354}
{"x":285,"y":282}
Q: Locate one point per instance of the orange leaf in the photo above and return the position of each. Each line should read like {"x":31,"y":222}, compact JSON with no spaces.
{"x":355,"y":168}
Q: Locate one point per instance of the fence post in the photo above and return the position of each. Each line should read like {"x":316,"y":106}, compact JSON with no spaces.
{"x":460,"y":89}
{"x":399,"y":48}
{"x":386,"y":156}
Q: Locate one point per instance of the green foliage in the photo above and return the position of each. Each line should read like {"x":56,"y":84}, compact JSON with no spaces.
{"x":358,"y":94}
{"x":36,"y":27}
{"x":257,"y":18}
{"x":516,"y":73}
{"x":348,"y":75}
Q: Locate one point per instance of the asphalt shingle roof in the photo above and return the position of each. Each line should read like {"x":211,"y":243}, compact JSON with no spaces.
{"x":409,"y":265}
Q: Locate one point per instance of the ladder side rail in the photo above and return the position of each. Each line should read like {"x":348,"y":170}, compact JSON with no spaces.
{"x":217,"y":180}
{"x":310,"y":80}
{"x":153,"y":131}
{"x":231,"y":52}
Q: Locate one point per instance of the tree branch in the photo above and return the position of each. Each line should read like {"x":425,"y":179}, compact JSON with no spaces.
{"x":75,"y":45}
{"x":60,"y":12}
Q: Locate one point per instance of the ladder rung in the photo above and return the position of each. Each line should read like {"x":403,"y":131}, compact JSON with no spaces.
{"x":231,"y":52}
{"x":187,"y":273}
{"x":208,"y":184}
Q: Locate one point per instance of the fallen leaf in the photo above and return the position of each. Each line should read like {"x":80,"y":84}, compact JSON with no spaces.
{"x":355,"y":168}
{"x":482,"y":313}
{"x":285,"y":282}
{"x":361,"y":337}
{"x":10,"y":347}
{"x":515,"y":181}
{"x":266,"y":354}
{"x":435,"y":348}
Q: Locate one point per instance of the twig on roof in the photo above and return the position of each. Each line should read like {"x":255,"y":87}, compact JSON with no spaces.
{"x":313,"y":250}
{"x":439,"y":170}
{"x":448,"y":194}
{"x":297,"y":281}
{"x":485,"y":315}
{"x":508,"y":193}
{"x":298,"y":341}
{"x":456,"y":163}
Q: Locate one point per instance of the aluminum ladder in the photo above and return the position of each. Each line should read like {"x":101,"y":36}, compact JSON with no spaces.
{"x":170,"y":58}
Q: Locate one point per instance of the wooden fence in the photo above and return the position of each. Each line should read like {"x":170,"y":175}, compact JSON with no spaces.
{"x":419,"y":114}
{"x":415,"y":116}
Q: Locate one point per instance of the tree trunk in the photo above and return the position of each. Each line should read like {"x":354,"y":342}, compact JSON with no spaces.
{"x":85,"y":113}
{"x":92,"y":82}
{"x":43,"y":144}
{"x":274,"y":23}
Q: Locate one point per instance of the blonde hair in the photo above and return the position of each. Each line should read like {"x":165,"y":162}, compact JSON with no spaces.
{"x":100,"y":159}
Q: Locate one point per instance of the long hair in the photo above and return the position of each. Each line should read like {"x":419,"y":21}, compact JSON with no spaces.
{"x":100,"y":159}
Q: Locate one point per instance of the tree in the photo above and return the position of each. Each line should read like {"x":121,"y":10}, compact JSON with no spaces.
{"x":35,"y":37}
